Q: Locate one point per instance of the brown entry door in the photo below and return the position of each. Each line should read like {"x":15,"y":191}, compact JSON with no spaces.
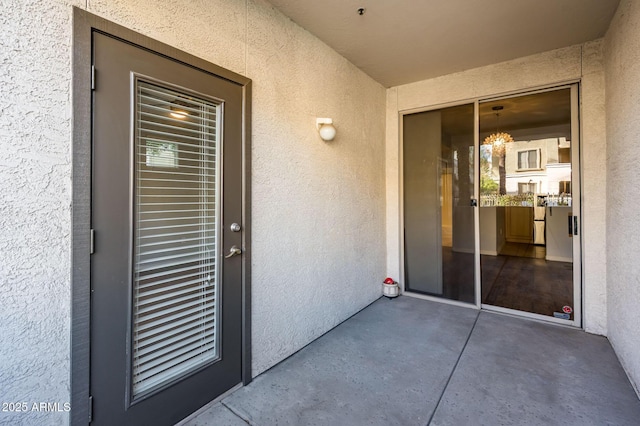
{"x":165,"y":276}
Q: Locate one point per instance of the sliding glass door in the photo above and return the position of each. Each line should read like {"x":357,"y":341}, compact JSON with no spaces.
{"x":517,"y":248}
{"x":439,"y":230}
{"x":530,"y":204}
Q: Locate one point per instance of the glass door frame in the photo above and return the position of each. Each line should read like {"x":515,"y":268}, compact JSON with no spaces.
{"x":576,"y":204}
{"x":577,"y":211}
{"x":401,"y":212}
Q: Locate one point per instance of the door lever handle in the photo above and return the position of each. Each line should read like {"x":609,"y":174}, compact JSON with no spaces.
{"x":233,"y":251}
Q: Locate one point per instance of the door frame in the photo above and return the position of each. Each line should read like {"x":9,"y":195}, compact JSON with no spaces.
{"x":84,"y":25}
{"x":576,"y":159}
{"x":401,"y":281}
{"x":576,"y":188}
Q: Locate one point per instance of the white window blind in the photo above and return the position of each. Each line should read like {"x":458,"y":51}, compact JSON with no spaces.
{"x":175,"y":302}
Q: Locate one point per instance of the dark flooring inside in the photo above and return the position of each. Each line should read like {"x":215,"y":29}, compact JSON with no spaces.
{"x":457,"y":275}
{"x":520,"y":278}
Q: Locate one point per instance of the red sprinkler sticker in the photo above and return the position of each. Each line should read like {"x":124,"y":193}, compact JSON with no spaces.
{"x":567,"y":309}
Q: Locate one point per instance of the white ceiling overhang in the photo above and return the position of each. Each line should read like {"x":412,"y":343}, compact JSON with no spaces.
{"x":403,"y":41}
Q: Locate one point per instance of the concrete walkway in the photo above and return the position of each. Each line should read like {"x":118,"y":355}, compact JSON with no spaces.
{"x":414,"y":362}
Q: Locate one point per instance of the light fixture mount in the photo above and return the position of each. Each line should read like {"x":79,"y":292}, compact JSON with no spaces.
{"x":326,"y":129}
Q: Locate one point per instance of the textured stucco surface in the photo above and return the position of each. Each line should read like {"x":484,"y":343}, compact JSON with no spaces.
{"x":392,"y":159}
{"x":622,"y":53}
{"x":594,"y":187}
{"x":35,"y":197}
{"x":319,"y":247}
{"x":530,"y":71}
{"x":575,"y":62}
{"x":318,"y":208}
{"x":214,"y":30}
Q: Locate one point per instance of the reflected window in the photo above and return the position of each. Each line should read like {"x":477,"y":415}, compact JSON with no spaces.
{"x":564,"y":187}
{"x":161,"y":154}
{"x":529,"y":159}
{"x":527,"y":188}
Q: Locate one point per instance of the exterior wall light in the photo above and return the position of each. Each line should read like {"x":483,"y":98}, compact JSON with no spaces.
{"x":326,"y":129}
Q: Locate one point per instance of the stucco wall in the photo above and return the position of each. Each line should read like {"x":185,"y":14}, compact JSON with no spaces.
{"x":318,"y":223}
{"x":318,"y":208}
{"x":35,"y":198}
{"x":576,"y":62}
{"x":622,"y":53}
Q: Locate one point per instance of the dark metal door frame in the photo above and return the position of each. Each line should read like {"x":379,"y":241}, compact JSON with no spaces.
{"x":84,"y":25}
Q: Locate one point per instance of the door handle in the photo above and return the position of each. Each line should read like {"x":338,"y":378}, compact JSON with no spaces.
{"x":233,"y":251}
{"x":573,"y":225}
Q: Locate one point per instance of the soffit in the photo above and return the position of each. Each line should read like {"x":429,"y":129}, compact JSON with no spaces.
{"x":403,"y":41}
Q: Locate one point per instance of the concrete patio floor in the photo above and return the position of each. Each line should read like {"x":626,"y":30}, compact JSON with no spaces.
{"x":414,"y":362}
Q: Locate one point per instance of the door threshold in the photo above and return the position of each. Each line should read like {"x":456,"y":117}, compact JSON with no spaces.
{"x":531,"y":316}
{"x":439,"y":299}
{"x":208,"y":405}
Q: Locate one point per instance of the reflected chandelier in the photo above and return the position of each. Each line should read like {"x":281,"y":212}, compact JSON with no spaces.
{"x":498,"y":139}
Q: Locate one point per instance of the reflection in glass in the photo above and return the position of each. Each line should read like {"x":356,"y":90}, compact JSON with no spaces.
{"x":439,"y":231}
{"x":525,"y":199}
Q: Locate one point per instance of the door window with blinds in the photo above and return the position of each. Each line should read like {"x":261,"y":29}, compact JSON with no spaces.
{"x":175,"y":306}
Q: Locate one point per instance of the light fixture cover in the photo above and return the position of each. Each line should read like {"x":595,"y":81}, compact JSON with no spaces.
{"x":179,"y":114}
{"x":326,"y":129}
{"x":179,"y":109}
{"x":498,"y":141}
